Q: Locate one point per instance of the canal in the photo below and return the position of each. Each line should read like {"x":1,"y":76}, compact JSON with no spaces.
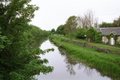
{"x":64,"y":68}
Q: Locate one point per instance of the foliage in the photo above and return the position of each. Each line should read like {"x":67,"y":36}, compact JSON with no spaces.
{"x":24,"y":61}
{"x":115,"y":23}
{"x":70,"y":25}
{"x":93,"y":35}
{"x":53,"y":31}
{"x":81,"y":33}
{"x":87,"y":20}
{"x":98,"y":37}
{"x":19,"y":55}
{"x":60,"y":30}
{"x":69,"y":28}
{"x":3,"y":42}
{"x":105,"y":24}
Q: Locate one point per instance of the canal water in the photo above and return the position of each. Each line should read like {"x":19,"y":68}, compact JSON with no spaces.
{"x":65,"y":69}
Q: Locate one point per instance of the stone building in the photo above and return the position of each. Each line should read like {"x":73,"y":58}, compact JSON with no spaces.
{"x":110,"y":35}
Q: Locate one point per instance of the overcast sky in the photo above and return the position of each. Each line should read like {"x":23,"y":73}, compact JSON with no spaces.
{"x":53,"y":13}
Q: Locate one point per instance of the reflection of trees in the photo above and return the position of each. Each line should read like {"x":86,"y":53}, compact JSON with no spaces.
{"x":71,"y":64}
{"x":70,"y":69}
{"x":62,"y":52}
{"x":86,"y":70}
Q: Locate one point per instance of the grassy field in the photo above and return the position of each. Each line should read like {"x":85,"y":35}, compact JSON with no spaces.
{"x":107,"y":64}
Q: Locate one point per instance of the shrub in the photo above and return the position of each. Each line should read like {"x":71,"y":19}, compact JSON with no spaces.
{"x":81,"y":33}
{"x":93,"y":35}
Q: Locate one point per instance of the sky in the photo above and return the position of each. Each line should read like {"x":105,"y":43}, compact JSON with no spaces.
{"x":53,"y":13}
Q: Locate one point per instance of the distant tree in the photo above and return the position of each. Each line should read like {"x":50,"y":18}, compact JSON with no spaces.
{"x":81,"y":33}
{"x":93,"y":35}
{"x":105,"y":24}
{"x":53,"y":31}
{"x":116,"y":23}
{"x":96,"y":25}
{"x":87,"y":21}
{"x":60,"y":29}
{"x":71,"y":25}
{"x":98,"y":37}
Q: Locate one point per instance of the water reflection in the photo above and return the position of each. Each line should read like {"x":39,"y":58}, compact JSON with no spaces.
{"x":65,"y":68}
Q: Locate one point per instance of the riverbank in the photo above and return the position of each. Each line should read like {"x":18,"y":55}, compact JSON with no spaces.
{"x":107,"y":64}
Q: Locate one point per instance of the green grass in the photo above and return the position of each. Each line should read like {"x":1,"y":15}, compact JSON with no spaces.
{"x":107,"y":64}
{"x":96,"y":46}
{"x":112,"y":49}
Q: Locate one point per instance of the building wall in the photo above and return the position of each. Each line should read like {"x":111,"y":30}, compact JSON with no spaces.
{"x":118,"y":39}
{"x":112,"y":41}
{"x":105,"y":39}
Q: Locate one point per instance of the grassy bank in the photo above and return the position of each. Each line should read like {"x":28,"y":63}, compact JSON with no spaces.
{"x":96,"y":46}
{"x":107,"y":64}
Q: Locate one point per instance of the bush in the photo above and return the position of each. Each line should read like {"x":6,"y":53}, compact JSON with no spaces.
{"x":93,"y":35}
{"x":81,"y":33}
{"x":98,"y":37}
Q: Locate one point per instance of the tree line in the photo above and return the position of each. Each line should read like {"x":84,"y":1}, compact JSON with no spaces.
{"x":84,"y":27}
{"x":115,"y":23}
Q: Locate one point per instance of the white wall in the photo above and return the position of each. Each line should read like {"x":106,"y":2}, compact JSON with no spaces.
{"x":105,"y":39}
{"x":112,"y":41}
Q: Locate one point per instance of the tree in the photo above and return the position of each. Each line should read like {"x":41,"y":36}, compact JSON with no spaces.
{"x":87,"y":21}
{"x":93,"y":35}
{"x":81,"y":33}
{"x":60,"y":29}
{"x":105,"y":24}
{"x":71,"y":25}
{"x":98,"y":37}
{"x":116,"y":23}
{"x":53,"y":31}
{"x":19,"y":60}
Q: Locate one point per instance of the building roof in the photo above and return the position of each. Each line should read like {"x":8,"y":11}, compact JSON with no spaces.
{"x":110,"y":30}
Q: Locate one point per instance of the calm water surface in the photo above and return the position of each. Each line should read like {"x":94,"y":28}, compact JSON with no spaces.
{"x":65,"y":69}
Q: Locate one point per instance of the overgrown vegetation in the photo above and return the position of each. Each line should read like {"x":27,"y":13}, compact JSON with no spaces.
{"x":19,"y":54}
{"x":81,"y":33}
{"x":80,"y":28}
{"x":85,"y":28}
{"x":107,"y":64}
